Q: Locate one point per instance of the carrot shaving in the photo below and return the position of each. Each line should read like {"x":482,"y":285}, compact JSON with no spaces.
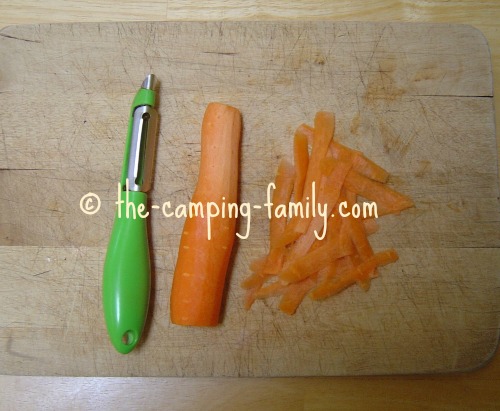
{"x":257,"y":265}
{"x":323,"y":253}
{"x":251,"y":294}
{"x":301,"y":162}
{"x":324,"y":127}
{"x":329,"y":195}
{"x":361,"y":164}
{"x":327,"y":165}
{"x":357,"y":273}
{"x":253,"y":280}
{"x":371,"y":226}
{"x":314,"y":261}
{"x":284,"y":183}
{"x":388,"y":200}
{"x":295,"y":293}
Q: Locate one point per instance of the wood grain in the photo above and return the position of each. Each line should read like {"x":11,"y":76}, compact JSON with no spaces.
{"x":474,"y":390}
{"x":421,"y":98}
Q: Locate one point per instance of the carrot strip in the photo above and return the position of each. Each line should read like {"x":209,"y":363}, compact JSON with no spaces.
{"x":281,"y":196}
{"x":295,"y":293}
{"x":361,"y":164}
{"x":301,"y":161}
{"x":284,"y":183}
{"x":358,"y":237}
{"x":324,"y":127}
{"x":371,"y":225}
{"x":328,"y":197}
{"x":250,"y":295}
{"x":362,"y":245}
{"x":388,"y":201}
{"x":253,"y":280}
{"x":274,"y":260}
{"x":299,"y":262}
{"x":257,"y":265}
{"x":369,"y":169}
{"x":202,"y":263}
{"x":327,"y":165}
{"x":337,"y":268}
{"x":270,"y":290}
{"x":359,"y":272}
{"x":313,"y":262}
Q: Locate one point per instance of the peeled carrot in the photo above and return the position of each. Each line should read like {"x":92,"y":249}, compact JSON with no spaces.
{"x":202,"y":263}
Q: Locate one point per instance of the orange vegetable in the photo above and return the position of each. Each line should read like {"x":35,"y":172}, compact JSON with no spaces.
{"x":324,"y":127}
{"x":295,"y":293}
{"x":361,"y":164}
{"x":388,"y":201}
{"x":331,"y":193}
{"x":312,"y":262}
{"x":200,"y":271}
{"x":371,"y":226}
{"x":309,"y":264}
{"x":281,"y":196}
{"x":301,"y":161}
{"x":359,"y":272}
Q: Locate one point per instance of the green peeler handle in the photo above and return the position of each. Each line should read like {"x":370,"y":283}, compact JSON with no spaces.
{"x":127,"y":274}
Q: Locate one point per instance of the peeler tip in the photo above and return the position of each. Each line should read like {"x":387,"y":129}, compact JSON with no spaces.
{"x":149,"y":82}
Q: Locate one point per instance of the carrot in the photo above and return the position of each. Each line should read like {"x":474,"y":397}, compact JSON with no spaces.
{"x":295,"y":293}
{"x":282,"y":193}
{"x":359,"y":272}
{"x":324,"y":126}
{"x":257,"y":265}
{"x":360,"y":240}
{"x":314,"y":261}
{"x":271,"y":290}
{"x":369,"y":169}
{"x":388,"y":201}
{"x":298,"y":263}
{"x":202,"y":263}
{"x":371,"y":226}
{"x":329,"y":196}
{"x":253,"y":280}
{"x":301,"y":161}
{"x":251,"y":294}
{"x":327,"y":165}
{"x":323,"y":133}
{"x":360,"y":163}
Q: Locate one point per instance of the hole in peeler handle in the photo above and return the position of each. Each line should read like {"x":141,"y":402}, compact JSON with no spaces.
{"x":128,"y":337}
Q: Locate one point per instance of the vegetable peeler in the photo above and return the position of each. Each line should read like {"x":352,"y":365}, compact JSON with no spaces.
{"x":127,"y":267}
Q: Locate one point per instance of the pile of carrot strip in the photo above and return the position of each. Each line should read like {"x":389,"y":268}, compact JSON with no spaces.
{"x":297,"y":263}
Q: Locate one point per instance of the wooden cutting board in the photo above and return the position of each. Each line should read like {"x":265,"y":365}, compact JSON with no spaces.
{"x":415,"y":98}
